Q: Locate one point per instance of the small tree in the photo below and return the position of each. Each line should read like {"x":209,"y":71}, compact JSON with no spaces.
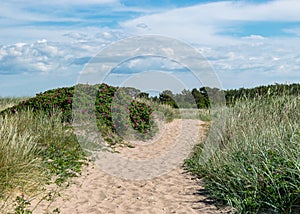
{"x":167,"y":97}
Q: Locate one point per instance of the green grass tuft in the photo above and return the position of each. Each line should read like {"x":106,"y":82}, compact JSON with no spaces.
{"x":254,"y":163}
{"x":35,"y":149}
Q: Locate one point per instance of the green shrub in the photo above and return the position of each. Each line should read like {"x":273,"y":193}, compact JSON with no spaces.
{"x":140,"y":117}
{"x":56,"y":99}
{"x":119,"y":111}
{"x":104,"y":99}
{"x":111,"y":105}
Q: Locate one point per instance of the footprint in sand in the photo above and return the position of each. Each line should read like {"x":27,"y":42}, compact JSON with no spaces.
{"x":173,"y":191}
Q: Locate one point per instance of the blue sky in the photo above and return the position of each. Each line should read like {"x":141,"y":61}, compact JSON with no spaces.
{"x":46,"y":44}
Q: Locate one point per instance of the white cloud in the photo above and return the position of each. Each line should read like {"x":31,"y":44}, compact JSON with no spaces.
{"x":248,"y":65}
{"x":202,"y":23}
{"x":141,"y":25}
{"x":39,"y":57}
{"x":85,"y":1}
{"x":14,"y":13}
{"x":295,"y":31}
{"x":254,"y":37}
{"x":143,"y":63}
{"x":246,"y":61}
{"x":65,"y":2}
{"x":46,"y":56}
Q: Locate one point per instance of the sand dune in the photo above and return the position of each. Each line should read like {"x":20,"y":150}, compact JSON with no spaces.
{"x":166,"y":190}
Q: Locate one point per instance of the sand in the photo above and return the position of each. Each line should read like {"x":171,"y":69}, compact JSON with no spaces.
{"x":116,"y":188}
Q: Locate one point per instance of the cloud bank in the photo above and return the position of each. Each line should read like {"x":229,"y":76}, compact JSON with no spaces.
{"x":247,"y":43}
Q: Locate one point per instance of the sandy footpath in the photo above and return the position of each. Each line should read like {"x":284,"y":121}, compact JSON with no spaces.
{"x":175,"y":191}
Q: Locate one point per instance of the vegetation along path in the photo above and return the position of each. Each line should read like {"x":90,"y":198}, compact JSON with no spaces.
{"x":96,"y":191}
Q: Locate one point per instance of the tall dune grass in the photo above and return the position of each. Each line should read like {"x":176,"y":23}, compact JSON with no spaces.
{"x":34,"y":149}
{"x":169,"y":113}
{"x":20,"y":168}
{"x":6,"y":102}
{"x":193,"y":113}
{"x":256,"y":168}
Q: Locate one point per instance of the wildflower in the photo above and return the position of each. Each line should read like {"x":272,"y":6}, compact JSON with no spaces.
{"x":50,"y":161}
{"x":72,"y":172}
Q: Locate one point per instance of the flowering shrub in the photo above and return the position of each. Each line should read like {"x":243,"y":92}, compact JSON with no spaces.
{"x":57,"y":99}
{"x":103,"y":102}
{"x":140,"y":116}
{"x":116,"y":111}
{"x":119,"y":111}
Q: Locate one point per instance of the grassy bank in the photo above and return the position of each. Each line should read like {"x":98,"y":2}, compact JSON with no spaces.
{"x":255,"y":165}
{"x":6,"y":102}
{"x":35,"y":149}
{"x":38,"y":145}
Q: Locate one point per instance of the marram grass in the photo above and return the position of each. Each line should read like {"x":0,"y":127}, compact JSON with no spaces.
{"x":255,"y":165}
{"x":20,"y":167}
{"x":34,"y":149}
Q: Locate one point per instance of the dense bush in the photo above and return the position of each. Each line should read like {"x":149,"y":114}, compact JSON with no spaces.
{"x":115,"y":108}
{"x":56,"y":99}
{"x":234,"y":95}
{"x":103,"y":103}
{"x":205,"y":97}
{"x":140,"y":116}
